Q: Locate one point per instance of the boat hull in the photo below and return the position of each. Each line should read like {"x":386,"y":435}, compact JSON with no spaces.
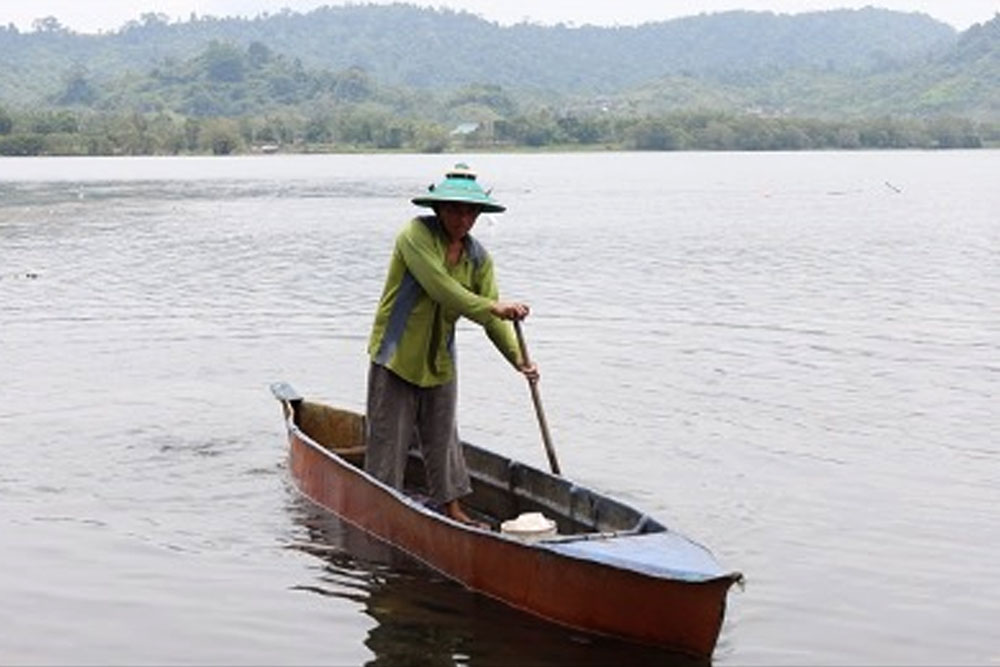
{"x":577,"y":592}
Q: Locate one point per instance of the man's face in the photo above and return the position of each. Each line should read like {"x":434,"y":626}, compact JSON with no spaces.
{"x":458,"y":218}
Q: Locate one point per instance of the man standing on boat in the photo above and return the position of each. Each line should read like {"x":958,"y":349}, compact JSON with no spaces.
{"x":437,"y":274}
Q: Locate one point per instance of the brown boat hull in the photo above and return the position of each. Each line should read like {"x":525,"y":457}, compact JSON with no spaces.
{"x":685,"y":616}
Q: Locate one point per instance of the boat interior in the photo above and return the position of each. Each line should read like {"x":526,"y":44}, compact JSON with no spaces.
{"x":502,"y":488}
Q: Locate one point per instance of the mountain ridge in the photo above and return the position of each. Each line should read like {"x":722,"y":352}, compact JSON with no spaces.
{"x":409,"y":46}
{"x":401,"y":77}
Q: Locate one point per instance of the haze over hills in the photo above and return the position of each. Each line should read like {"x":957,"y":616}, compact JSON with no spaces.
{"x":406,"y":45}
{"x":444,"y":66}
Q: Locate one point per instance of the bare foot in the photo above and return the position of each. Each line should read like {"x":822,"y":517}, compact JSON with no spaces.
{"x":455,"y":511}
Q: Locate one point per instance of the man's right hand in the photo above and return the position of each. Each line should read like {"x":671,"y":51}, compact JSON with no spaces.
{"x":510,"y":310}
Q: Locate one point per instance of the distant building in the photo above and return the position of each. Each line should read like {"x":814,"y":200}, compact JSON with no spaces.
{"x":465,"y":129}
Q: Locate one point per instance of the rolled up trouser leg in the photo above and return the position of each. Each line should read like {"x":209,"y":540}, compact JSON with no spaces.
{"x":447,"y":475}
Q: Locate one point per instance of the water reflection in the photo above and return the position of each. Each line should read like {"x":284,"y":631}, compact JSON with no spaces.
{"x":424,"y":619}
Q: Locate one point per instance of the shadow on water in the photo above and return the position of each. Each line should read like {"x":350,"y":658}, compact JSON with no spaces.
{"x":426,"y":620}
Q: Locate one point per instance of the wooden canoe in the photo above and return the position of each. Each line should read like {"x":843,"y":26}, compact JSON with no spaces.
{"x":610,"y":570}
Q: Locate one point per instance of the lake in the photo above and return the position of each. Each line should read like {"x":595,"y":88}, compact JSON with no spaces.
{"x":792,"y":358}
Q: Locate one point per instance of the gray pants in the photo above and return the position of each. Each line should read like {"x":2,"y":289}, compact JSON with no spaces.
{"x":401,"y":413}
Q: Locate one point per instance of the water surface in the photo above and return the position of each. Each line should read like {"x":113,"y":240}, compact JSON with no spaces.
{"x":792,"y":358}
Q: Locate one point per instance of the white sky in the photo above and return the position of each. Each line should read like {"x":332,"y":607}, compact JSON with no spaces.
{"x":97,"y":15}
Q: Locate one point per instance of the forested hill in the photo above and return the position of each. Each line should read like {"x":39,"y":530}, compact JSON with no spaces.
{"x":402,"y":45}
{"x":402,"y":78}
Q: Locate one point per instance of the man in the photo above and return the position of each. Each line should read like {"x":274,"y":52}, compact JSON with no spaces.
{"x":437,"y":274}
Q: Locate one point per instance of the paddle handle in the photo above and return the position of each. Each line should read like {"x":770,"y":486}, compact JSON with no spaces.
{"x":537,"y":399}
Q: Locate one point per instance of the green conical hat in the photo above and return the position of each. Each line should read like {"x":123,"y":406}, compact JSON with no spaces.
{"x":459,"y":185}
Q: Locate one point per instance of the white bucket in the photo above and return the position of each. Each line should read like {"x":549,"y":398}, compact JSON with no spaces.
{"x":529,"y":526}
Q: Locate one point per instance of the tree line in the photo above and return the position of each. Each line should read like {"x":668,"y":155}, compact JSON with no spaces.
{"x":369,"y":128}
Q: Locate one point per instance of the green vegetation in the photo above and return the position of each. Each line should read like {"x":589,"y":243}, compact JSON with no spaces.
{"x":401,"y":78}
{"x":165,"y":133}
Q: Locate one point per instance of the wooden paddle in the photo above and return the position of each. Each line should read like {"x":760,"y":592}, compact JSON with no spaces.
{"x":546,"y":438}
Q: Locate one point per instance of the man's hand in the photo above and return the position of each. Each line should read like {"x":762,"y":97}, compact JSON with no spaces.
{"x":510,"y":310}
{"x":530,"y":371}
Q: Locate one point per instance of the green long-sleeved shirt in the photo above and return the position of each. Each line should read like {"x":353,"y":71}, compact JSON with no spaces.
{"x":414,"y":330}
